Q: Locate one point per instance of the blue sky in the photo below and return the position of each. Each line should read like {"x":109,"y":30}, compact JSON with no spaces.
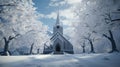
{"x":44,"y":8}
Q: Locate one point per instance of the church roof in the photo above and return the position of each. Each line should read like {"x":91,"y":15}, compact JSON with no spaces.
{"x":60,"y":35}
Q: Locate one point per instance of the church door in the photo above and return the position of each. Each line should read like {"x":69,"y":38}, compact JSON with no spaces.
{"x":57,"y":48}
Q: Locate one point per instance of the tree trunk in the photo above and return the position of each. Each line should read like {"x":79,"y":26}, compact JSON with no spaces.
{"x":114,"y":48}
{"x":111,"y":39}
{"x":83,"y":49}
{"x":6,"y":46}
{"x":38,"y":51}
{"x":31,"y":48}
{"x":92,"y":48}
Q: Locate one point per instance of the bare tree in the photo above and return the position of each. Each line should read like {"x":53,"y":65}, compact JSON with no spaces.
{"x":31,"y":48}
{"x":111,"y":39}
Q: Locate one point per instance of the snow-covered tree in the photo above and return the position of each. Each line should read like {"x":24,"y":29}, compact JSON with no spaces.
{"x":20,"y":17}
{"x":94,"y":18}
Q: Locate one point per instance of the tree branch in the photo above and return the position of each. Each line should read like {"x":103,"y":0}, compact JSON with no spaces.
{"x":106,"y":36}
{"x":5,"y":39}
{"x":10,"y":37}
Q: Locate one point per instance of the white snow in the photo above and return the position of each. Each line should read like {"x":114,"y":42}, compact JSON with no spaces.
{"x":75,"y":60}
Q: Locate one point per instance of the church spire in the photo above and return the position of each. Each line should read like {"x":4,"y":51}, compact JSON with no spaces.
{"x":58,"y":26}
{"x":58,"y":21}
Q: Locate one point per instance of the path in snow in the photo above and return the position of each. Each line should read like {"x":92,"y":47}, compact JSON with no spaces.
{"x":76,"y":60}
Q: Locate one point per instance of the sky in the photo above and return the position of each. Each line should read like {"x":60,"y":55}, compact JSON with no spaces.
{"x":44,"y":9}
{"x":48,"y":12}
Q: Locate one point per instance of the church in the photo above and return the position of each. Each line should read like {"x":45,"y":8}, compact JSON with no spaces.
{"x":60,"y":44}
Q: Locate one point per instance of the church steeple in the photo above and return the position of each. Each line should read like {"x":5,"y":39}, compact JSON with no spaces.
{"x":58,"y":27}
{"x":57,"y":21}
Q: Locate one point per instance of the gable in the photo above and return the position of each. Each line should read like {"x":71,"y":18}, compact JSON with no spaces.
{"x":60,"y":36}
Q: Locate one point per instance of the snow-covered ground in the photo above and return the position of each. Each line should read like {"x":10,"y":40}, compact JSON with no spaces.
{"x":75,"y":60}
